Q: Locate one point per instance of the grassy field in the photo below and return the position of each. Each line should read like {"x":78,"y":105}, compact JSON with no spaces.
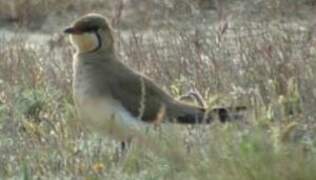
{"x":260,"y":54}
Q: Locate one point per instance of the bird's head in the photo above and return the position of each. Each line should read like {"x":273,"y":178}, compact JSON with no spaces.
{"x":91,"y":33}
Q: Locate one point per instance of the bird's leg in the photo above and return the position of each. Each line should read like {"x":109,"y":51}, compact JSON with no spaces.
{"x":125,"y":145}
{"x":123,"y":149}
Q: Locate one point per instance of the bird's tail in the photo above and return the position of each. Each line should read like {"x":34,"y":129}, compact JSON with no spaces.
{"x":189,"y":114}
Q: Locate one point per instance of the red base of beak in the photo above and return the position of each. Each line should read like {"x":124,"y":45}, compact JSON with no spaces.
{"x":71,"y":30}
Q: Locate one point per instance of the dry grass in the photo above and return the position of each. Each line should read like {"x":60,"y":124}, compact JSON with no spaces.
{"x":261,"y":61}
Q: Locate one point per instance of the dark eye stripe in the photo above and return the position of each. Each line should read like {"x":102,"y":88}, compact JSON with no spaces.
{"x":90,"y":29}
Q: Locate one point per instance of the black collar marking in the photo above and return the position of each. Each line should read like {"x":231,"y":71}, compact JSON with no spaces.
{"x":99,"y":41}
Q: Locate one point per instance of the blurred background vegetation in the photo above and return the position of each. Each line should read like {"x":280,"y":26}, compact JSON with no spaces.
{"x":255,"y":53}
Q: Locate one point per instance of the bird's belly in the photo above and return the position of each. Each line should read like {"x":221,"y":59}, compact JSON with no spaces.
{"x":106,"y":115}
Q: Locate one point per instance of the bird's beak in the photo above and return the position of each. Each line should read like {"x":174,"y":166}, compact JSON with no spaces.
{"x":71,"y":30}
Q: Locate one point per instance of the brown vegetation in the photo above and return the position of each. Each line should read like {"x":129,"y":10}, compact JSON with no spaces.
{"x":261,"y":55}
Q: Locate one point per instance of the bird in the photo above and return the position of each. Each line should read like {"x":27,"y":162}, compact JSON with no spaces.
{"x":106,"y":91}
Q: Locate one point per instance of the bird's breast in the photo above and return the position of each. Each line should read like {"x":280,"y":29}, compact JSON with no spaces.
{"x":99,"y":111}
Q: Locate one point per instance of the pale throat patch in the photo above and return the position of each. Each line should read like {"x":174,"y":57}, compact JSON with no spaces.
{"x":85,"y":42}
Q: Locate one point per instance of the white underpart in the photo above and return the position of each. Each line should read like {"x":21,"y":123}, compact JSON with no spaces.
{"x":107,"y":116}
{"x":84,"y":42}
